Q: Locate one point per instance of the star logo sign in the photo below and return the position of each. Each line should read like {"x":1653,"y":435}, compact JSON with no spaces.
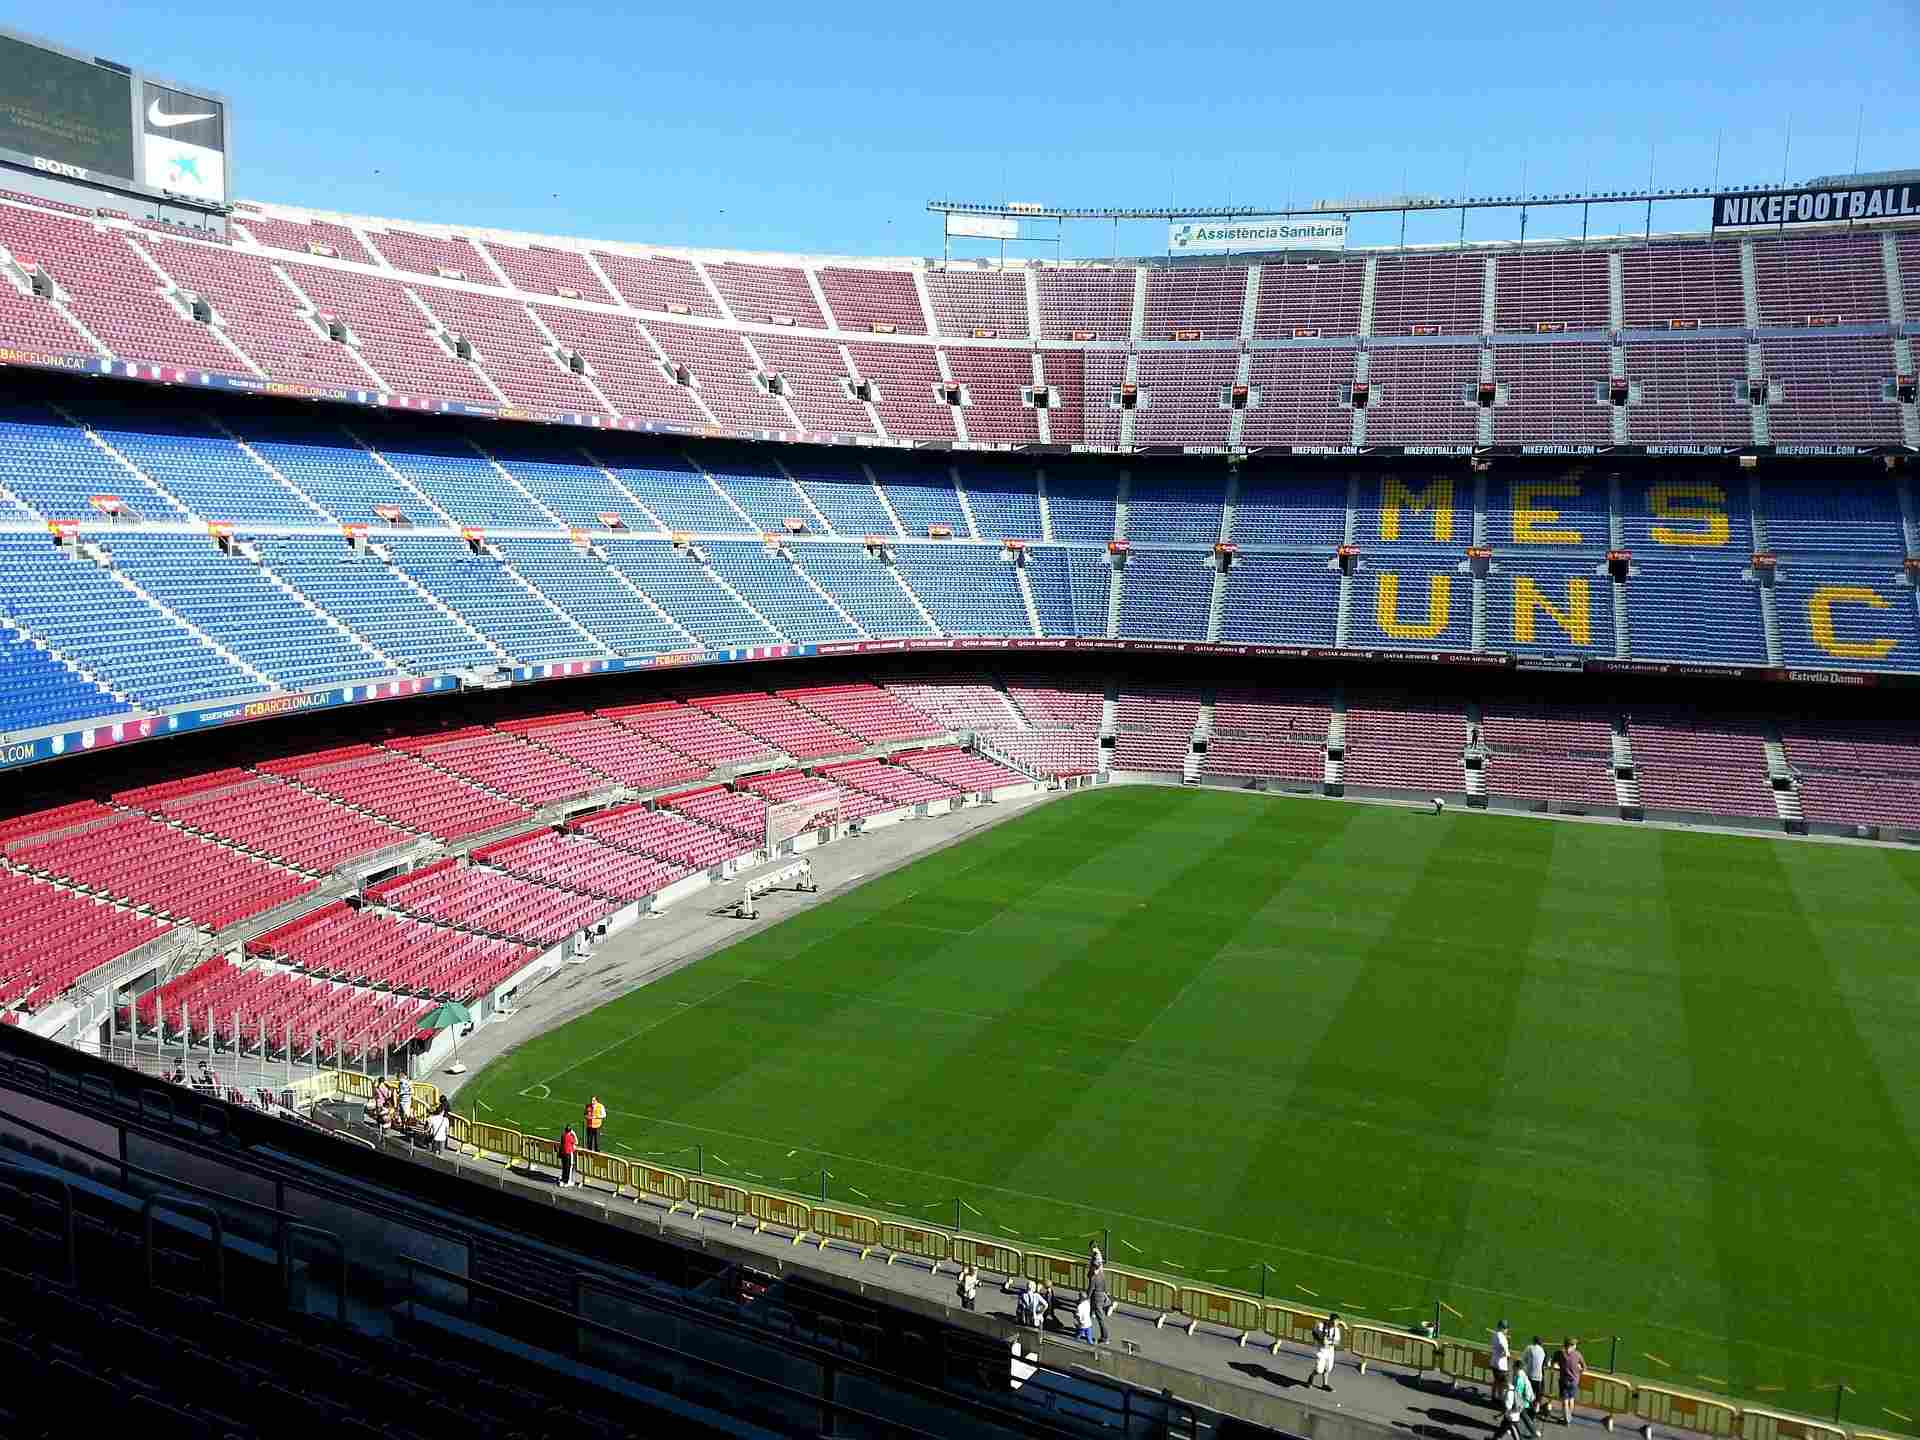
{"x":187,"y":167}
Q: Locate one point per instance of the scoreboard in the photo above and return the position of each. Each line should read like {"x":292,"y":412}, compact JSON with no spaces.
{"x":95,"y":122}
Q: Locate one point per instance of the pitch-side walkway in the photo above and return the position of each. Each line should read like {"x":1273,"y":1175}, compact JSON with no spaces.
{"x":1208,"y":1367}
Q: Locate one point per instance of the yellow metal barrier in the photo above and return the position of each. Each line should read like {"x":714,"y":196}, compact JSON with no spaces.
{"x":607,"y":1169}
{"x":898,"y":1239}
{"x":1143,"y":1292}
{"x":495,"y":1140}
{"x":1371,"y":1343}
{"x":426,"y":1094}
{"x":1756,"y":1424}
{"x":778,"y":1210}
{"x":459,"y":1132}
{"x":1217,"y":1307}
{"x":1464,"y":1360}
{"x":355,"y":1086}
{"x":538,"y":1150}
{"x":1068,"y":1270}
{"x":1684,"y":1410}
{"x":704,"y":1195}
{"x":1610,"y":1394}
{"x":989,"y":1255}
{"x":1290,"y":1322}
{"x":847,"y":1226}
{"x":668,"y":1185}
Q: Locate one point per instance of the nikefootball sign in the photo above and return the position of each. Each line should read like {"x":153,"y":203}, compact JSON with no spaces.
{"x":184,"y":144}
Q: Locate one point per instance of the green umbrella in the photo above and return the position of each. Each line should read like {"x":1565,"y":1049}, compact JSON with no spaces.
{"x":449,"y":1013}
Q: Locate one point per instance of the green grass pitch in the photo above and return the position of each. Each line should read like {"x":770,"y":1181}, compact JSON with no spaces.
{"x":1586,"y":1077}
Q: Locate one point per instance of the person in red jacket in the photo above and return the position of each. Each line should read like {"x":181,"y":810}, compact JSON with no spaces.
{"x":568,"y":1140}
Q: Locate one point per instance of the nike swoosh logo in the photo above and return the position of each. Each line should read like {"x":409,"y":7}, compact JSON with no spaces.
{"x":161,"y":120}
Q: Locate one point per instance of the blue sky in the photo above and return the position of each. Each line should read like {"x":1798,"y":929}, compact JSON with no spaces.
{"x":826,"y":127}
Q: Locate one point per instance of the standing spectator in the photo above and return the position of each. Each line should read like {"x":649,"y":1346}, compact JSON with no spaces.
{"x":1502,"y":1363}
{"x":568,"y":1140}
{"x":1572,"y":1366}
{"x":1036,"y":1305}
{"x":1327,"y":1335}
{"x":1102,"y":1305}
{"x":406,"y":1098}
{"x":1533,"y":1360}
{"x":1083,"y":1320}
{"x":596,"y":1117}
{"x":969,"y":1286}
{"x":1095,"y":1260}
{"x":437,"y":1126}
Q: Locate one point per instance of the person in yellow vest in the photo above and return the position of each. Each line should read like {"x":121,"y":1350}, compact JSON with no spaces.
{"x":596,"y":1117}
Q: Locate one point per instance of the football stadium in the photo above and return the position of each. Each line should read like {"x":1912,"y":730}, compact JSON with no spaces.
{"x":626,"y":839}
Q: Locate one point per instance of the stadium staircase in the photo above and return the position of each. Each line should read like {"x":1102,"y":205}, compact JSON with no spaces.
{"x":1474,"y":758}
{"x":121,"y":701}
{"x":986,"y":746}
{"x":404,"y":485}
{"x":1046,"y":507}
{"x":1783,"y":782}
{"x":1026,"y":599}
{"x":620,"y":578}
{"x":512,"y":482}
{"x":914,"y":600}
{"x":1109,"y":724}
{"x":1217,"y":601}
{"x":293,"y":491}
{"x":99,"y":556}
{"x":815,"y":519}
{"x":1196,"y":756}
{"x":1018,"y":716}
{"x":385,"y":556}
{"x":748,"y":605}
{"x":1333,"y":781}
{"x":247,"y":554}
{"x":966,"y":505}
{"x":956,"y":413}
{"x":1626,"y":783}
{"x":826,"y":596}
{"x":143,"y":482}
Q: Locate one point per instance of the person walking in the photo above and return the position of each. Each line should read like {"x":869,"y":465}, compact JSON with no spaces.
{"x":596,"y":1117}
{"x":1502,"y":1353}
{"x":1102,"y":1303}
{"x":968,"y":1287}
{"x":1509,"y":1427}
{"x":568,"y":1140}
{"x":1533,"y":1360}
{"x":1327,"y":1336}
{"x":1572,"y":1366}
{"x":1523,"y":1396}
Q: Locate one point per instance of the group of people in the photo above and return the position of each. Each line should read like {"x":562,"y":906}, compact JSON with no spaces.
{"x":594,"y":1120}
{"x":1040,"y":1303}
{"x":1519,"y":1384}
{"x":390,"y":1108}
{"x":205,"y":1080}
